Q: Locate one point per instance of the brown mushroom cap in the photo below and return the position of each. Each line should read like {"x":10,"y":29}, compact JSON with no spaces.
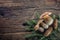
{"x":45,"y":13}
{"x":48,"y":20}
{"x":55,"y":24}
{"x":48,"y":31}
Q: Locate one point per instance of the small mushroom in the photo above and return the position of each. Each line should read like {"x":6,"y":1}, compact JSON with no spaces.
{"x":37,"y":26}
{"x":41,"y":29}
{"x":48,"y":20}
{"x":48,"y":31}
{"x":55,"y":24}
{"x":45,"y":26}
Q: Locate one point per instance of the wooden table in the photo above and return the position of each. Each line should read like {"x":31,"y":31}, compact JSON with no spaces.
{"x":13,"y":13}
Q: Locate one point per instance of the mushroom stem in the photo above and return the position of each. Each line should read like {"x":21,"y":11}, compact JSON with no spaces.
{"x":37,"y":26}
{"x":45,"y":26}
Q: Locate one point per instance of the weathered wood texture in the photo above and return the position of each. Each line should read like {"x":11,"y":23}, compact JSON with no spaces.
{"x":13,"y":13}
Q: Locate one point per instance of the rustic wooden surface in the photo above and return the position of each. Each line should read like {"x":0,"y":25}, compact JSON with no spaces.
{"x":13,"y":13}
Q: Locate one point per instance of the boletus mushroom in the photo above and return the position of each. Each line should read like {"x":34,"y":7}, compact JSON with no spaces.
{"x":48,"y":31}
{"x":55,"y":24}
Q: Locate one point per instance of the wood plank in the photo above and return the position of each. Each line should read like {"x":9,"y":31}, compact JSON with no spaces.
{"x":13,"y":36}
{"x":11,"y":30}
{"x":21,"y":33}
{"x":13,"y":13}
{"x":26,"y":3}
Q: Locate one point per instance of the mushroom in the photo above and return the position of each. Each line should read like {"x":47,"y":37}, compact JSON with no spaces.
{"x":45,"y":26}
{"x":55,"y":24}
{"x":48,"y":20}
{"x":37,"y":26}
{"x":48,"y":31}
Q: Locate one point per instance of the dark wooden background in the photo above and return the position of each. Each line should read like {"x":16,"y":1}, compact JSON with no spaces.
{"x":13,"y":13}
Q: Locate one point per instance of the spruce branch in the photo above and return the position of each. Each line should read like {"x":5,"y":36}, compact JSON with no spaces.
{"x":34,"y":34}
{"x":37,"y":15}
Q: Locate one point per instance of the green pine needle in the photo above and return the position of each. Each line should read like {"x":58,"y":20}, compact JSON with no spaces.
{"x":42,"y":38}
{"x":28,"y":23}
{"x":31,"y":35}
{"x":53,"y":16}
{"x":37,"y":15}
{"x":34,"y":22}
{"x":29,"y":29}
